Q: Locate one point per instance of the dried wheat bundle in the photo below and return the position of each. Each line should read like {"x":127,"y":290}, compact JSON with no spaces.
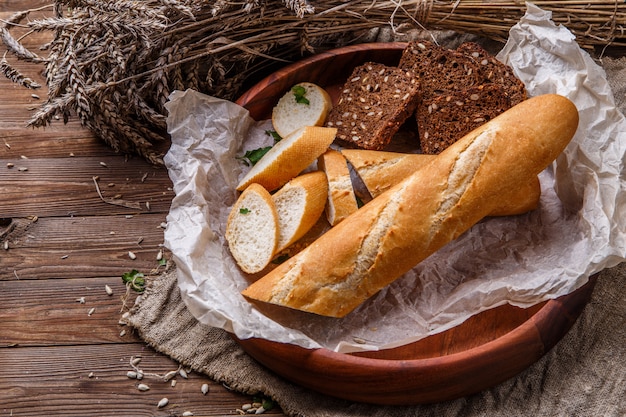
{"x":113,"y":63}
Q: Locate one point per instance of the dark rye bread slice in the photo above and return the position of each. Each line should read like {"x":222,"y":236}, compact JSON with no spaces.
{"x":443,"y":119}
{"x":493,"y":71}
{"x":439,"y":69}
{"x":374,"y":102}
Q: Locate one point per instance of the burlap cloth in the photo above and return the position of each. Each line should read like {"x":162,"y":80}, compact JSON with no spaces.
{"x":583,"y":375}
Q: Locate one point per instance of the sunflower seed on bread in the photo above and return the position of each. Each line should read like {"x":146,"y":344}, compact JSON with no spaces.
{"x":374,"y":102}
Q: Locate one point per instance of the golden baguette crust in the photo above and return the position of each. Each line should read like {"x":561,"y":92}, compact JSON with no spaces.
{"x":289,"y":157}
{"x":400,"y":228}
{"x":299,"y":205}
{"x":341,"y":199}
{"x":381,"y":170}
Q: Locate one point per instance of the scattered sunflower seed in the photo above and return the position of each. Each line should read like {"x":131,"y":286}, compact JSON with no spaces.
{"x":65,"y":256}
{"x":10,"y":164}
{"x":169,"y":375}
{"x":131,"y":374}
{"x":91,"y":375}
{"x":187,"y":414}
{"x":108,"y":290}
{"x":260,"y":410}
{"x":35,"y":96}
{"x":139,"y":240}
{"x":204,"y":388}
{"x":22,"y":169}
{"x":104,"y":164}
{"x":5,"y":245}
{"x":183,"y":373}
{"x":148,"y":205}
{"x":131,"y":255}
{"x":93,"y":309}
{"x":163,"y":225}
{"x":7,"y":145}
{"x":81,"y":300}
{"x":23,"y":157}
{"x":163,"y":402}
{"x":143,"y":387}
{"x":140,"y":374}
{"x":71,"y":154}
{"x":159,"y":255}
{"x":246,"y":407}
{"x":173,"y":383}
{"x":133,"y":361}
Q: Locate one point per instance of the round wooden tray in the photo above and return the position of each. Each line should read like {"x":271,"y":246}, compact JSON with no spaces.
{"x":481,"y":352}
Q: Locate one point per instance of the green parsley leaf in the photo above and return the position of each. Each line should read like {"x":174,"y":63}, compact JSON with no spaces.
{"x":299,"y":92}
{"x":162,"y":262}
{"x":274,"y":135}
{"x":244,"y":210}
{"x":253,"y":156}
{"x":135,"y":280}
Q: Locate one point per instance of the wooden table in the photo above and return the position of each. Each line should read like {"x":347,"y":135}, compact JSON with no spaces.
{"x":62,"y":349}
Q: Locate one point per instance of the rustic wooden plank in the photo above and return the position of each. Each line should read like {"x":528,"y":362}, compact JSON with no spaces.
{"x":60,"y":187}
{"x":76,"y":247}
{"x":59,"y":312}
{"x":46,"y":381}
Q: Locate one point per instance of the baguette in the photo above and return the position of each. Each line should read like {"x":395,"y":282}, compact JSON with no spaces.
{"x":292,"y":112}
{"x":380,"y":170}
{"x":400,"y":228}
{"x":252,"y":229}
{"x":289,"y":157}
{"x":299,"y":205}
{"x":341,"y":199}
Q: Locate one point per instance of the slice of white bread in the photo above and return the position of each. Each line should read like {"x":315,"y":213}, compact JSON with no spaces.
{"x":341,"y":199}
{"x":380,"y":170}
{"x":289,"y":157}
{"x":252,"y":229}
{"x":305,"y":104}
{"x":299,"y":205}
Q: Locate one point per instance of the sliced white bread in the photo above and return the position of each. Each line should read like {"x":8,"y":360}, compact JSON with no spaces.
{"x":341,"y":198}
{"x":289,"y":157}
{"x":305,"y":104}
{"x":299,"y":205}
{"x":380,"y":170}
{"x":252,"y":229}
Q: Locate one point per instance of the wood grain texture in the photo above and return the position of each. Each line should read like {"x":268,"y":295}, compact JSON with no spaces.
{"x":65,"y":244}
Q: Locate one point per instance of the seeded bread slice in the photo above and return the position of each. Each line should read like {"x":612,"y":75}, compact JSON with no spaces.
{"x":445,"y":118}
{"x":493,"y":71}
{"x":375,"y":101}
{"x":439,"y":69}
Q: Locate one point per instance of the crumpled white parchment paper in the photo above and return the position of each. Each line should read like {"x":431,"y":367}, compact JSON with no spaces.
{"x":579,"y":229}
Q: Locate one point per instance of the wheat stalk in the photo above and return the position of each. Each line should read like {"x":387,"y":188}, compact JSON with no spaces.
{"x":113,"y":63}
